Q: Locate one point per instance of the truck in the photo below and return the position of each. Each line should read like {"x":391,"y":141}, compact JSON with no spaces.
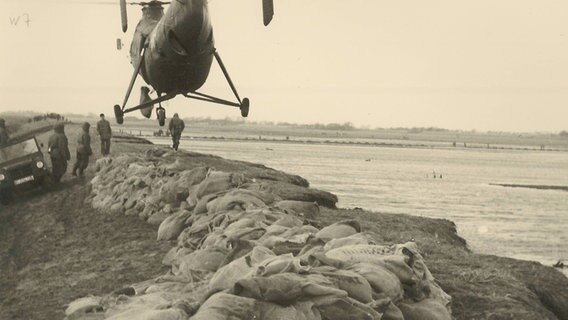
{"x":22,"y":167}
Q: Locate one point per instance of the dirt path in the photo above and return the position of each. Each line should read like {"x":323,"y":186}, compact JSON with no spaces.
{"x":54,"y":248}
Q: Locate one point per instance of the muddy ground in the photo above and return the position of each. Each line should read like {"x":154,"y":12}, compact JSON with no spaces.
{"x":55,"y":248}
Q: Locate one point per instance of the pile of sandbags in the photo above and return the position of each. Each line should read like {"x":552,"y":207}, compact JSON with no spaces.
{"x":244,"y":252}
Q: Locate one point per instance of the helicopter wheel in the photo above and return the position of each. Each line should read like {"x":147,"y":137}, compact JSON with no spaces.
{"x":118,"y":114}
{"x":161,"y":112}
{"x":245,"y":107}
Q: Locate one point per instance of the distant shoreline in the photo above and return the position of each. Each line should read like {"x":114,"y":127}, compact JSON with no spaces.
{"x":358,"y":143}
{"x":528,"y":186}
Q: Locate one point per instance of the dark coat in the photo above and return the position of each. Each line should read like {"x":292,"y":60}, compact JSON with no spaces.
{"x":103,"y":128}
{"x":58,"y":147}
{"x":84,"y":143}
{"x":176,"y":126}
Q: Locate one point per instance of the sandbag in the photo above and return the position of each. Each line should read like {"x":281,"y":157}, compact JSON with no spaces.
{"x":130,"y":305}
{"x":354,"y":239}
{"x":243,"y":267}
{"x":172,"y":226}
{"x":345,"y":308}
{"x":300,"y":230}
{"x":201,"y":206}
{"x":239,"y":248}
{"x":288,"y":222}
{"x":251,"y":233}
{"x":286,"y":287}
{"x":241,"y":223}
{"x":168,"y":191}
{"x":385,"y":306}
{"x":224,"y":306}
{"x":340,"y":229}
{"x":274,"y":230}
{"x":84,"y":306}
{"x":200,"y":261}
{"x":192,"y":177}
{"x":216,"y":238}
{"x":298,"y":311}
{"x":157,"y":218}
{"x":266,"y":197}
{"x":353,"y":283}
{"x":219,"y":181}
{"x":360,"y":253}
{"x":427,"y":309}
{"x":380,"y":279}
{"x":281,"y":264}
{"x":376,"y":254}
{"x":150,"y":314}
{"x":174,"y":254}
{"x":229,"y":201}
{"x":410,"y":249}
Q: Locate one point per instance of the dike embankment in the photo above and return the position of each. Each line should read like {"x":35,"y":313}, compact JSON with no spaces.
{"x":249,"y":238}
{"x":242,"y":240}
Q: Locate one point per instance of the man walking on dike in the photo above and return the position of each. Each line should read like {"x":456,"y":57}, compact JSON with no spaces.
{"x":58,"y":149}
{"x":3,"y":133}
{"x":176,"y":128}
{"x":103,"y":128}
{"x":83,"y":150}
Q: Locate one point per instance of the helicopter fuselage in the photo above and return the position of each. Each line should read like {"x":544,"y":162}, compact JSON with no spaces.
{"x":178,"y":46}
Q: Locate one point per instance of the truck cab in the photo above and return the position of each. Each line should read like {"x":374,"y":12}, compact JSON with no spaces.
{"x":22,"y":166}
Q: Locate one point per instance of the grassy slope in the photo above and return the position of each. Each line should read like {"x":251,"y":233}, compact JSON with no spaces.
{"x":482,"y":286}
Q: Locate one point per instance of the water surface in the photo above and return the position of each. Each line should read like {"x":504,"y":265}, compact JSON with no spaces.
{"x":520,"y":223}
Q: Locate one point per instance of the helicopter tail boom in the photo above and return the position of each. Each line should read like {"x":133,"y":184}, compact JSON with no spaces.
{"x":123,"y":17}
{"x":267,"y":11}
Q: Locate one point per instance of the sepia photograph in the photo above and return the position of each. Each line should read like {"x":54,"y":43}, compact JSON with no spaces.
{"x":283,"y":159}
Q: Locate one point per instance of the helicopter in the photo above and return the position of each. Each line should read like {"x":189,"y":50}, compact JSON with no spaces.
{"x":174,"y":52}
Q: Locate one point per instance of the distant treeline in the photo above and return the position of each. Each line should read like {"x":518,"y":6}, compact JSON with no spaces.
{"x":53,"y":116}
{"x":15,"y":121}
{"x":346,"y":126}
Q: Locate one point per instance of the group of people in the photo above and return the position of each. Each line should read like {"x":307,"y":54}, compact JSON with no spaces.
{"x":58,"y":145}
{"x":58,"y":148}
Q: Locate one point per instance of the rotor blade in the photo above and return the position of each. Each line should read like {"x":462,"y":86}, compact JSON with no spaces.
{"x":133,"y":79}
{"x":227,"y":75}
{"x":267,"y":11}
{"x":109,"y":2}
{"x":150,"y":3}
{"x":91,"y":2}
{"x":123,"y":17}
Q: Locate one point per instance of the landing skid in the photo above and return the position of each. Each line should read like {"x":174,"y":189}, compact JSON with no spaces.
{"x":161,"y":113}
{"x":243,"y":104}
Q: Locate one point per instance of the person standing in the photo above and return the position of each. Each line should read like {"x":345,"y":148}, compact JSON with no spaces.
{"x":3,"y":133}
{"x":103,"y":128}
{"x":176,"y":128}
{"x":83,"y":150}
{"x":58,"y":148}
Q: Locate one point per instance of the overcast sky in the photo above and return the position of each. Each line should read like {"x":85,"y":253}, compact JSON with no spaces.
{"x":485,"y":65}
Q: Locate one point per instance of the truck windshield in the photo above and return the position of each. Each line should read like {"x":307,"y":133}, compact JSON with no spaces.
{"x":18,"y":150}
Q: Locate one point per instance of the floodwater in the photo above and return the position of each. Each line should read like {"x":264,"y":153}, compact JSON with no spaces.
{"x":521,"y":223}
